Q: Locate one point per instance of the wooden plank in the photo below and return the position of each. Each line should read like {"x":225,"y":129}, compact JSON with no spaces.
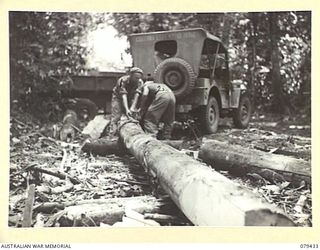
{"x":95,"y":127}
{"x":27,"y":212}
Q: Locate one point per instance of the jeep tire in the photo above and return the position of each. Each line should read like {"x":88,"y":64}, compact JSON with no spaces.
{"x":241,"y":115}
{"x":209,"y":116}
{"x":177,"y":74}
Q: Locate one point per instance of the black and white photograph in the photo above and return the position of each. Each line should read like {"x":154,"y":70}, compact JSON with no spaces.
{"x":153,"y":119}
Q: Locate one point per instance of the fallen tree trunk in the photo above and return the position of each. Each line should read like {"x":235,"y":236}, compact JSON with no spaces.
{"x":279,"y":151}
{"x":106,"y":146}
{"x":240,"y":160}
{"x":206,"y":197}
{"x":48,"y":207}
{"x":103,"y":147}
{"x":107,"y":211}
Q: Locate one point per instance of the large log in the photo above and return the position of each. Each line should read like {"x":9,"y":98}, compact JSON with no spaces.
{"x":103,"y":147}
{"x":206,"y":197}
{"x":235,"y":158}
{"x":106,"y":146}
{"x":107,"y":211}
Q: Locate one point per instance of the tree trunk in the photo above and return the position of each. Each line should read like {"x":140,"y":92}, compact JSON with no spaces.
{"x":278,"y":104}
{"x":254,"y":55}
{"x":226,"y":29}
{"x":240,"y":160}
{"x":206,"y":197}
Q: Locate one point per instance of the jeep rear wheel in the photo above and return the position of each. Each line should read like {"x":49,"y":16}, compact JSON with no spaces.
{"x":177,"y":74}
{"x":209,"y":116}
{"x":241,"y":115}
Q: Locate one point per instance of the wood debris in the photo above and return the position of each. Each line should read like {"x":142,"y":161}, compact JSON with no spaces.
{"x":63,"y":176}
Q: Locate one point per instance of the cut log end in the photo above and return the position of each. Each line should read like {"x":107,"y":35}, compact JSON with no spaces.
{"x":265,"y":217}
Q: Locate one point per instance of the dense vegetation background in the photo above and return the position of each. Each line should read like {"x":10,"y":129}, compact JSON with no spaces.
{"x":271,"y":52}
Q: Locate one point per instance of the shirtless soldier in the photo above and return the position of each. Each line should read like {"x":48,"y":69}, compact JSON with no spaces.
{"x":122,"y":96}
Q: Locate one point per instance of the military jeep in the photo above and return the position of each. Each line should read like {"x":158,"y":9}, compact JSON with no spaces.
{"x":194,"y":64}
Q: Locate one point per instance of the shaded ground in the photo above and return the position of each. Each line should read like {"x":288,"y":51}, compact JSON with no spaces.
{"x":115,"y":176}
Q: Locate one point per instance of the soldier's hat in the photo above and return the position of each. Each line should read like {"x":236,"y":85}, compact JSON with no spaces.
{"x":136,"y":70}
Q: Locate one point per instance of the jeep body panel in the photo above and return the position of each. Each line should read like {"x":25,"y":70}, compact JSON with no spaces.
{"x":143,"y":47}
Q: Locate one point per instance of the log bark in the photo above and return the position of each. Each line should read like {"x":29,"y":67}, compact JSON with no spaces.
{"x":107,"y":211}
{"x":103,"y":147}
{"x":240,"y":160}
{"x":206,"y":197}
{"x":297,"y":154}
{"x":106,"y":146}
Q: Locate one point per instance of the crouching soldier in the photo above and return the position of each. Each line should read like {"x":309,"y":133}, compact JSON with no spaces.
{"x":122,"y":96}
{"x":161,"y":109}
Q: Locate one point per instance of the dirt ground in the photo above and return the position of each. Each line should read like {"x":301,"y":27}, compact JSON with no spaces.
{"x":113,"y":176}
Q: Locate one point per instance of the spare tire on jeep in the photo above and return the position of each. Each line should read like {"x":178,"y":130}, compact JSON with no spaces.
{"x":177,"y":74}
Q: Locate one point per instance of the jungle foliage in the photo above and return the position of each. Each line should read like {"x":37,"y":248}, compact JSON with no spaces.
{"x":271,"y":52}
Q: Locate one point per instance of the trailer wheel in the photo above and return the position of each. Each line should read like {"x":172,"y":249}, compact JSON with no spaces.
{"x":85,"y":108}
{"x":242,"y":115}
{"x":209,"y":116}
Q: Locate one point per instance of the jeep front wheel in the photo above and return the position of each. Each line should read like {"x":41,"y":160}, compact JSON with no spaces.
{"x":241,"y":115}
{"x":209,"y":116}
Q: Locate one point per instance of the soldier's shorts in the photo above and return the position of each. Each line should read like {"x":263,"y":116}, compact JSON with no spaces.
{"x":161,"y":109}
